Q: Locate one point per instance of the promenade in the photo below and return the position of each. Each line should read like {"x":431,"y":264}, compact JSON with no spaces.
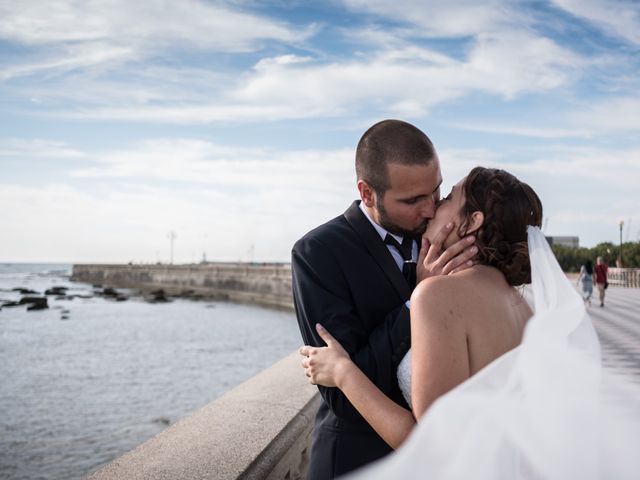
{"x":618,"y":326}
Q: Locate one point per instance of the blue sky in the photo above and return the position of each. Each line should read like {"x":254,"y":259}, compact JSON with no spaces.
{"x":234,"y":123}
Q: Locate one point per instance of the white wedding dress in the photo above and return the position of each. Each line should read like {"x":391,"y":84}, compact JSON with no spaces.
{"x":545,"y":410}
{"x":404,"y":377}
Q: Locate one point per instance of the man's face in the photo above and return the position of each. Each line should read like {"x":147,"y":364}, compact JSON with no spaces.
{"x":410,"y":201}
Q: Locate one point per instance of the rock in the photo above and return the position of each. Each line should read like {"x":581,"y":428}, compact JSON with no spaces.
{"x":122,"y":298}
{"x":11,"y":304}
{"x":25,"y":300}
{"x":35,"y":303}
{"x":56,"y":291}
{"x":162,"y":420}
{"x":159,"y":296}
{"x":109,"y":292}
{"x":64,"y":317}
{"x":24,"y":291}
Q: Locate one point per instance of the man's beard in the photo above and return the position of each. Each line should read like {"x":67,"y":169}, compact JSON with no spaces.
{"x":389,"y":226}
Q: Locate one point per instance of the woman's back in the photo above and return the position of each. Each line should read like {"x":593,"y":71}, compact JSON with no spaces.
{"x":494,"y":314}
{"x":459,"y":324}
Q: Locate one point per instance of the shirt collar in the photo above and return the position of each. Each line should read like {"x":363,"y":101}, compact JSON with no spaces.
{"x":381,"y":231}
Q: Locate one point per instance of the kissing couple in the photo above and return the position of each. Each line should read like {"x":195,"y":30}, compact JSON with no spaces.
{"x":417,"y":334}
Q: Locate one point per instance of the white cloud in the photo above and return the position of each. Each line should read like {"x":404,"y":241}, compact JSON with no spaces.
{"x":613,"y":17}
{"x":228,"y":168}
{"x":404,"y":81}
{"x":609,"y":114}
{"x":399,"y":77}
{"x":125,"y":221}
{"x":525,"y":130}
{"x":37,"y":148}
{"x":154,"y":24}
{"x":123,"y":202}
{"x":70,"y":34}
{"x":73,"y":57}
{"x":444,"y":19}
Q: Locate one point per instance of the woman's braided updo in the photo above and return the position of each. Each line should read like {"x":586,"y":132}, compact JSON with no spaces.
{"x":508,"y":206}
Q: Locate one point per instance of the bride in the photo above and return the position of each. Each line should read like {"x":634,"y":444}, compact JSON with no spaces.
{"x":497,"y":393}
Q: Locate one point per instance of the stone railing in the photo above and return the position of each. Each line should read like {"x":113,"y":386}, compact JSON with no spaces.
{"x":624,"y":277}
{"x":267,"y":284}
{"x":259,"y":430}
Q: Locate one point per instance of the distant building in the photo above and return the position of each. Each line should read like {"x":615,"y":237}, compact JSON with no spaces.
{"x":573,"y":242}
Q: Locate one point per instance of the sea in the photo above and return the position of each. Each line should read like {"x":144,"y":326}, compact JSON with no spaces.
{"x":90,"y":378}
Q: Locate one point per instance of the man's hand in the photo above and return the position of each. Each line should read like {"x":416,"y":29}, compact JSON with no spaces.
{"x":434,"y":261}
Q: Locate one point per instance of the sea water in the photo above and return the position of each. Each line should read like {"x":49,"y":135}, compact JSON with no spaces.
{"x":88,"y":379}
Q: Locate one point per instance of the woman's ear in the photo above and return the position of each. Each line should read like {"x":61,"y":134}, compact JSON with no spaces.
{"x":475,"y":222}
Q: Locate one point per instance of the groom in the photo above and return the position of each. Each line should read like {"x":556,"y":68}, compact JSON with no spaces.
{"x":355,"y":274}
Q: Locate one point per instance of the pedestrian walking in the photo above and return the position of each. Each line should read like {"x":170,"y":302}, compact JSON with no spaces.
{"x":586,"y":279}
{"x":601,"y":270}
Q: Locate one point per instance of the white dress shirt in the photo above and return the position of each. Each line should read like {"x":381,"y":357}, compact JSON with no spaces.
{"x":394,"y":251}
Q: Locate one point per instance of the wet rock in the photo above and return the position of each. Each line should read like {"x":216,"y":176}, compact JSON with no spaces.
{"x":162,"y":421}
{"x":108,"y":292}
{"x":64,"y":317}
{"x":11,"y":304}
{"x":35,"y":303}
{"x":159,"y":296}
{"x":56,"y":291}
{"x":24,"y":291}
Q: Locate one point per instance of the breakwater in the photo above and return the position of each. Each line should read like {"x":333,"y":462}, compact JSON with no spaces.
{"x":267,"y":284}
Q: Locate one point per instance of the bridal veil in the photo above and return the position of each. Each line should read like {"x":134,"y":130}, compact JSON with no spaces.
{"x":545,"y":410}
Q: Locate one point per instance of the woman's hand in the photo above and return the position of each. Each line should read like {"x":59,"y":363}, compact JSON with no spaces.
{"x":435,"y":260}
{"x":325,"y":366}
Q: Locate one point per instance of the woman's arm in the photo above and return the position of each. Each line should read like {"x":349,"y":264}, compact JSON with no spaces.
{"x":331,"y":366}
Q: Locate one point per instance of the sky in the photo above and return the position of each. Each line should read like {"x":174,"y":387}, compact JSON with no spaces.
{"x":234,"y":124}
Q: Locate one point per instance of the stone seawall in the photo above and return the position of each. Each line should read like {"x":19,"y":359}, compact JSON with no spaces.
{"x":262,"y":284}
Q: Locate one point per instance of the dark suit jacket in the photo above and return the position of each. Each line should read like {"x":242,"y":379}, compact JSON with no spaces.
{"x":345,"y":278}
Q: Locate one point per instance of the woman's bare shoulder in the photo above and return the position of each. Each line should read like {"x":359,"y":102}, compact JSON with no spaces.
{"x":445,"y":295}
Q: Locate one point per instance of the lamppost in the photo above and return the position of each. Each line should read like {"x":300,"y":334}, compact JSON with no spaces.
{"x":172,"y":236}
{"x":621,"y":225}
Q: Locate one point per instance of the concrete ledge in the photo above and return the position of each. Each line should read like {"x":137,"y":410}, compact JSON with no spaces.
{"x":260,"y":429}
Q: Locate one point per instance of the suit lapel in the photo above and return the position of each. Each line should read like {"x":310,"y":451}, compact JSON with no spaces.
{"x":376,"y":247}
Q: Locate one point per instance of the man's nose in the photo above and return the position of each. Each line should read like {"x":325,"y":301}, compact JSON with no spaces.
{"x":429,"y":208}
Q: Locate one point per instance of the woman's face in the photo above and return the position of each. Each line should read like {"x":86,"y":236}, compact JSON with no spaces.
{"x":448,"y":210}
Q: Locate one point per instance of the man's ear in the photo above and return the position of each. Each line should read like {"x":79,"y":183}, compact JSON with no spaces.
{"x":367,"y":194}
{"x":475,"y":222}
